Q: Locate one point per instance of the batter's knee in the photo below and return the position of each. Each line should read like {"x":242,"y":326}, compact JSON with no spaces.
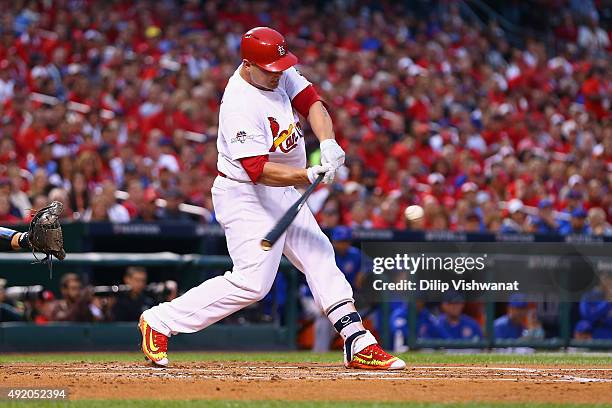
{"x":253,"y":291}
{"x":255,"y":294}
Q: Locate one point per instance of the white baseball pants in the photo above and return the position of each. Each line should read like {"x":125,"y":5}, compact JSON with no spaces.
{"x":247,"y":212}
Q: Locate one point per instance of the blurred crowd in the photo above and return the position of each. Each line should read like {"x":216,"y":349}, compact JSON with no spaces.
{"x":80,"y":303}
{"x":111,"y":107}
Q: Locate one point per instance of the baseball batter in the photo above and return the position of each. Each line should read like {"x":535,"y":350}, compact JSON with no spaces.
{"x":261,"y":158}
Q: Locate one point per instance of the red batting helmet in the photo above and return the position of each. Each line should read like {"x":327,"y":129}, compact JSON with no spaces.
{"x":266,"y":48}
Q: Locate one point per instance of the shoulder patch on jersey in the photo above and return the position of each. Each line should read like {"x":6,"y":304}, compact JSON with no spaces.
{"x":241,"y":137}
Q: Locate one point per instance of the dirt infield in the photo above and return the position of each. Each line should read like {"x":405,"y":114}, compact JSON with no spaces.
{"x":316,"y":381}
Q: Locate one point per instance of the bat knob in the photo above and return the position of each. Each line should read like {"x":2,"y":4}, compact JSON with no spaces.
{"x":266,"y":245}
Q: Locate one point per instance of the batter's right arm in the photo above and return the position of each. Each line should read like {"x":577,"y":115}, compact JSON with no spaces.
{"x":280,"y":175}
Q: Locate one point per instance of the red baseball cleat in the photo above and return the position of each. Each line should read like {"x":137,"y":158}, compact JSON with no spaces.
{"x":373,"y":357}
{"x":154,"y":344}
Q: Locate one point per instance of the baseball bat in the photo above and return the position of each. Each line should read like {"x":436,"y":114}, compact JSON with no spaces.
{"x":287,"y":218}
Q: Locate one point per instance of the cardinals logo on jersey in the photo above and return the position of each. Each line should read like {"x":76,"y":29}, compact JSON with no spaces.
{"x":285,"y":140}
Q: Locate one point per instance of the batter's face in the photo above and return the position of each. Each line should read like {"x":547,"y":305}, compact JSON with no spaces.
{"x":261,"y":78}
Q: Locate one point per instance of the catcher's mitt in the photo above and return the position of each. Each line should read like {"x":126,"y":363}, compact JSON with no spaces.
{"x":45,"y":233}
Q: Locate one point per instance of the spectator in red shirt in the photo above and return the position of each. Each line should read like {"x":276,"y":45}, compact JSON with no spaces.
{"x":567,"y":30}
{"x":371,"y":154}
{"x":439,"y":190}
{"x":6,"y":217}
{"x":389,"y":216}
{"x":595,"y":90}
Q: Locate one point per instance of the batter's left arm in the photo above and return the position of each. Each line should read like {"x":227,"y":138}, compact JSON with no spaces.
{"x":321,"y":122}
{"x":323,"y":128}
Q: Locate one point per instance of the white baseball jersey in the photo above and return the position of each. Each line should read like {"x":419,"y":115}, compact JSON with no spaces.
{"x":254,"y":122}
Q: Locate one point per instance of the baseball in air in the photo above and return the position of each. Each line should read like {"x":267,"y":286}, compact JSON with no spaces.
{"x":414,"y":212}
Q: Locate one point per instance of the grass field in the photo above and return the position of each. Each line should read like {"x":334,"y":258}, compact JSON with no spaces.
{"x":580,"y":359}
{"x":12,"y":364}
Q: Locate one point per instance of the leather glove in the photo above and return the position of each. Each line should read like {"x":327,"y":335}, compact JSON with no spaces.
{"x":331,"y":153}
{"x":45,"y":232}
{"x":314,"y":171}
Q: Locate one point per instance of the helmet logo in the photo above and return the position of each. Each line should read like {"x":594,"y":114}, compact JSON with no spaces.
{"x":281,"y":50}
